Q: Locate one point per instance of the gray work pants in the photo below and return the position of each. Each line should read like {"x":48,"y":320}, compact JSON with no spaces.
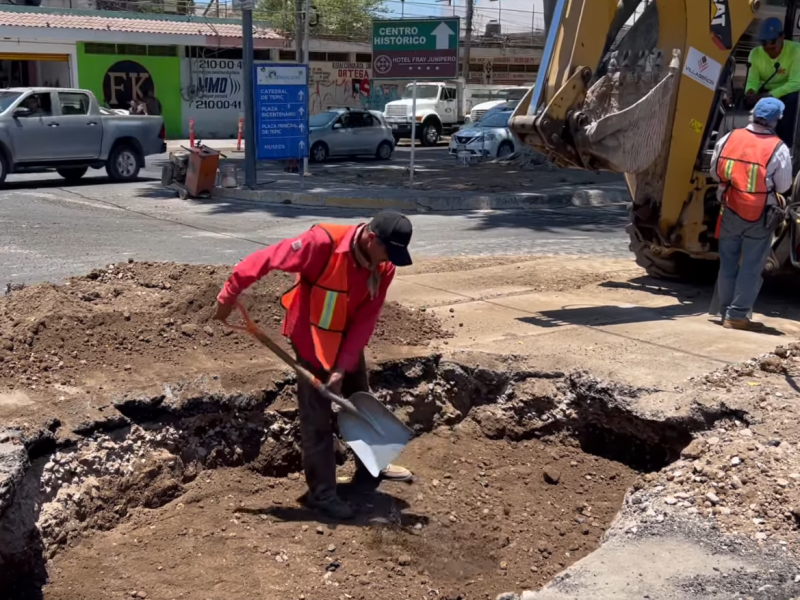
{"x":743,"y":252}
{"x":317,"y":427}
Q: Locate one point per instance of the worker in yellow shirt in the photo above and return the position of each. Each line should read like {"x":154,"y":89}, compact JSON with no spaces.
{"x":775,"y":72}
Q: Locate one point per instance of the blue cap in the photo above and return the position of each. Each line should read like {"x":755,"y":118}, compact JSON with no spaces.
{"x":769,"y":109}
{"x":770,"y":29}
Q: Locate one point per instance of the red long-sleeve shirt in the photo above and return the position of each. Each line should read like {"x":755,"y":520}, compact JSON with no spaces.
{"x":308,"y":255}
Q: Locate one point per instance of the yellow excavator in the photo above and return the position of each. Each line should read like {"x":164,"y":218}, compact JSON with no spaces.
{"x":645,"y":88}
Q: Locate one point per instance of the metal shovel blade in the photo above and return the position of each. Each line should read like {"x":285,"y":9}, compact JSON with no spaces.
{"x":376,"y":450}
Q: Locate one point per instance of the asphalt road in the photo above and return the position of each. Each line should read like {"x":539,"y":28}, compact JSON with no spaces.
{"x":51,"y":230}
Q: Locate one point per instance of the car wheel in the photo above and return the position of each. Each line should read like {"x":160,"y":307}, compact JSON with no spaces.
{"x":3,"y":167}
{"x":430,"y":135}
{"x":384,"y":151}
{"x":505,"y":149}
{"x":319,"y":152}
{"x":123,"y":163}
{"x":72,"y":174}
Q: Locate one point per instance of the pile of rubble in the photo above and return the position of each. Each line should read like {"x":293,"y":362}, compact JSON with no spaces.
{"x":744,"y":473}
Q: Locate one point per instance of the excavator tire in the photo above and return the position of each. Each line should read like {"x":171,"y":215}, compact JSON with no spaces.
{"x":660,"y":267}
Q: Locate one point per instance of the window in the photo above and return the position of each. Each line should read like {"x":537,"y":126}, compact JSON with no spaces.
{"x":427,"y":92}
{"x":339,"y":56}
{"x":162,"y":51}
{"x":136,"y":49}
{"x":449,"y":94}
{"x":73,"y":103}
{"x":316,"y":56}
{"x":39,"y":105}
{"x":93,"y":48}
{"x":7,"y":99}
{"x":287,"y":55}
{"x":322,"y":119}
{"x":363,"y":57}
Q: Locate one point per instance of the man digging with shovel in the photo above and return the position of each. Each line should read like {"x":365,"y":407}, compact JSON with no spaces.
{"x":343,"y":273}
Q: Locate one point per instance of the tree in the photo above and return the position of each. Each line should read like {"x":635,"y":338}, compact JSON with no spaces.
{"x":347,"y":18}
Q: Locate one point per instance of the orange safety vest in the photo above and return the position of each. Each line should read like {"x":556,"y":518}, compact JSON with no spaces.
{"x":329,"y":299}
{"x":742,"y":165}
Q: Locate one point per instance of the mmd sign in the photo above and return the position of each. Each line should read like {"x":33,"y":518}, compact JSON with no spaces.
{"x":415,"y":49}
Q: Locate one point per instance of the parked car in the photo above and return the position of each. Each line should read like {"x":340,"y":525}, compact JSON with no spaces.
{"x":490,"y":137}
{"x":65,"y":129}
{"x":499,"y":98}
{"x":349,"y":132}
{"x":508,"y":106}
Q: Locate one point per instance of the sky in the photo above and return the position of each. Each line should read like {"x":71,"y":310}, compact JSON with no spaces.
{"x":515,"y":16}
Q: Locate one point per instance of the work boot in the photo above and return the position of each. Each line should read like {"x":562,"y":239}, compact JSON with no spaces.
{"x":329,"y":504}
{"x":390,"y":473}
{"x":743,"y":325}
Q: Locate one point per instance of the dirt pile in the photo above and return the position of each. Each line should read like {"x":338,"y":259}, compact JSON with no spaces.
{"x":127,"y":317}
{"x":744,"y":472}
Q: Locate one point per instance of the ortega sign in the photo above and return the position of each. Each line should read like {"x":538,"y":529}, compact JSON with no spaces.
{"x":415,"y":49}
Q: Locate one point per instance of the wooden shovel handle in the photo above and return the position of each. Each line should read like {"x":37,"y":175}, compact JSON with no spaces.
{"x":254,"y":330}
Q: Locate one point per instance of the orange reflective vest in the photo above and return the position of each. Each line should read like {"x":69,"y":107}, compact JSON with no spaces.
{"x":329,"y":297}
{"x":742,"y":165}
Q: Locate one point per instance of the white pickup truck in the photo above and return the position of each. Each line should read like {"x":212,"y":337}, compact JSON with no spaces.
{"x":66,"y":130}
{"x":442,"y":108}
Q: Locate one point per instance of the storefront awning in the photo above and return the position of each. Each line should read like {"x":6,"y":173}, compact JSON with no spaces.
{"x":28,"y":56}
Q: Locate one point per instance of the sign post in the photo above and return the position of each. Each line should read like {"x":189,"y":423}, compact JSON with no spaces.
{"x":417,"y":50}
{"x":250,"y":174}
{"x":281,"y":116}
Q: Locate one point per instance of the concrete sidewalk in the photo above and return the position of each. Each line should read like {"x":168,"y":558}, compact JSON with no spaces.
{"x":288,"y":189}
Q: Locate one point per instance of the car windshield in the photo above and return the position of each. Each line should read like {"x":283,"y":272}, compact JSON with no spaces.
{"x":499,"y":119}
{"x":322,"y":119}
{"x":512,"y":94}
{"x":7,"y":99}
{"x":427,"y":92}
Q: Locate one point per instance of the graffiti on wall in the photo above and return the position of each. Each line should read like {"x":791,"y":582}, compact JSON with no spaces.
{"x":348,"y":84}
{"x":337,"y":84}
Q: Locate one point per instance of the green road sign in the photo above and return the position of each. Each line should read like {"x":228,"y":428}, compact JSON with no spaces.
{"x":415,"y":48}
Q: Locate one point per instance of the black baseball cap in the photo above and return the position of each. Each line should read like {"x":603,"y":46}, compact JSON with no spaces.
{"x":394,"y":232}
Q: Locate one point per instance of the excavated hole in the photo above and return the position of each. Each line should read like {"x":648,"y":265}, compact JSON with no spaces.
{"x":518,"y":474}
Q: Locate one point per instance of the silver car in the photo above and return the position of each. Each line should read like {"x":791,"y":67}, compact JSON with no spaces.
{"x":349,"y":132}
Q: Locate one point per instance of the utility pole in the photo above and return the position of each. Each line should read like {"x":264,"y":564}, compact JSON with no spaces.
{"x":248,"y":73}
{"x":298,"y":30}
{"x":468,"y":44}
{"x":306,"y":54}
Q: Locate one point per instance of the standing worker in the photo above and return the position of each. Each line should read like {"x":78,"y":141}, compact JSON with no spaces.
{"x":343,"y":273}
{"x":775,"y":72}
{"x":752,"y":165}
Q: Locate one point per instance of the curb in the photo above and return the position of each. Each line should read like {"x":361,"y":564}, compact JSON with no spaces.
{"x":596,"y":197}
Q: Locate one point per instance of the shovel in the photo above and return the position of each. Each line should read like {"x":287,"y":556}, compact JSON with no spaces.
{"x":373,"y":432}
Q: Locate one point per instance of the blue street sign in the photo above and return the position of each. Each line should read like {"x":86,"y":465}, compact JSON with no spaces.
{"x":281,"y":107}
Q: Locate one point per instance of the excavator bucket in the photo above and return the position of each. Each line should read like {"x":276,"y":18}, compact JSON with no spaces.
{"x":613,"y":111}
{"x":627,"y":127}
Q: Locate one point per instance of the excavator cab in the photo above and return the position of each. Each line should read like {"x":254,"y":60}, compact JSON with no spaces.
{"x":646,"y":88}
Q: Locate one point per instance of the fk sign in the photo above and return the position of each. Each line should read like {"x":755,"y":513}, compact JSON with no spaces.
{"x":415,"y":49}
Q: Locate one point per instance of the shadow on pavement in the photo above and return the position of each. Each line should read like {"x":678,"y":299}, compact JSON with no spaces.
{"x":59,"y":182}
{"x":777,"y":299}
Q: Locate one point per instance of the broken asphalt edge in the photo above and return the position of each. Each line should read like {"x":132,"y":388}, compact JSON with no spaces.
{"x":427,"y":201}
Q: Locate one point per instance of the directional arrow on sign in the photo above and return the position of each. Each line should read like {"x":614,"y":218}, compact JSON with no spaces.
{"x":442,"y":34}
{"x":300,"y":95}
{"x":302,"y":128}
{"x":302,"y":111}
